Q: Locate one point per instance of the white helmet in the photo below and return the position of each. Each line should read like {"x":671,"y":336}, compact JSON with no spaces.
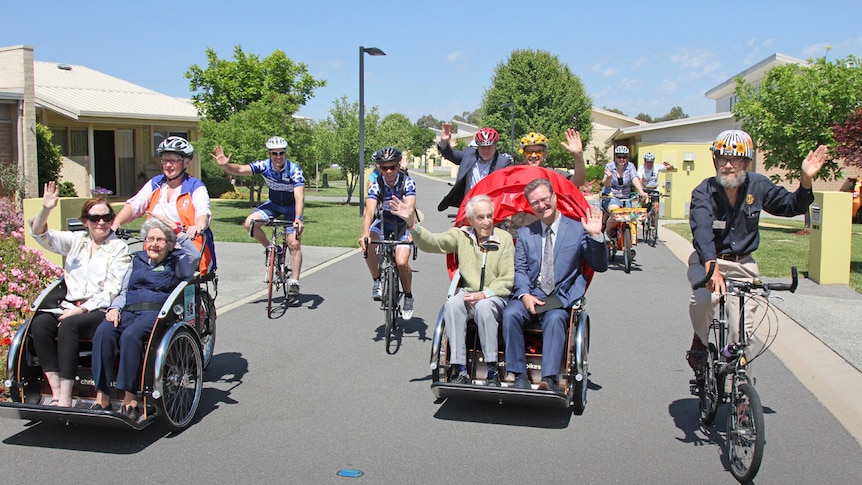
{"x":621,"y":150}
{"x":649,"y":157}
{"x":176,"y":144}
{"x":276,"y":142}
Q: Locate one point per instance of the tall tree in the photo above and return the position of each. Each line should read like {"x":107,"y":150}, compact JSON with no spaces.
{"x":548,"y":98}
{"x":794,"y":109}
{"x":471,"y":117}
{"x":428,"y":121}
{"x":226,"y":87}
{"x":675,"y":113}
{"x":337,"y":138}
{"x":644,"y":117}
{"x":394,"y":130}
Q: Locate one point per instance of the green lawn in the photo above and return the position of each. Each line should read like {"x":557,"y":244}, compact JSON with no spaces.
{"x":781,"y":247}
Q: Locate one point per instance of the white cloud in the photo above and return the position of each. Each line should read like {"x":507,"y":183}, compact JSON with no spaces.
{"x":842,"y":48}
{"x":453,"y":57}
{"x":668,"y":87}
{"x":630,"y":84}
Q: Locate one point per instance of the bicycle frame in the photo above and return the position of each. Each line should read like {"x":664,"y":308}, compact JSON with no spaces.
{"x":278,"y":268}
{"x":390,"y":283}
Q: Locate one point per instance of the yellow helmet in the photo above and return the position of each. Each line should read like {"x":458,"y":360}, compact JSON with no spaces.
{"x":533,"y":138}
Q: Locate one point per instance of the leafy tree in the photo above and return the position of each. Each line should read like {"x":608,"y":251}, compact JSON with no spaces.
{"x":794,"y":109}
{"x":471,"y":117}
{"x":644,"y":117}
{"x":428,"y":121}
{"x":551,"y":106}
{"x":226,"y":87}
{"x":337,"y":139}
{"x":675,"y":113}
{"x":615,"y":110}
{"x":244,"y":137}
{"x":420,"y":140}
{"x":848,"y":139}
{"x":48,"y":156}
{"x":393,"y":131}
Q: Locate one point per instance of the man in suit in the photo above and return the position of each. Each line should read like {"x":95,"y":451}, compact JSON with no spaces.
{"x":548,"y":258}
{"x":474,"y":163}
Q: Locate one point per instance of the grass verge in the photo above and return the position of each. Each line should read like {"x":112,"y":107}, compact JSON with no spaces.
{"x":782,"y":247}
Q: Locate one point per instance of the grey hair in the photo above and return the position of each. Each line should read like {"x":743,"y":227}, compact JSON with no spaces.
{"x":470,"y":208}
{"x":153,"y":223}
{"x":535,"y":184}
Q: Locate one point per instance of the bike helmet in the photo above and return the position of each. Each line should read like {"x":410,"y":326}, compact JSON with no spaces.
{"x":387,"y":154}
{"x":621,"y":150}
{"x":649,"y":157}
{"x":533,"y":138}
{"x":276,"y":142}
{"x":733,"y":143}
{"x":487,"y":137}
{"x":178,"y":145}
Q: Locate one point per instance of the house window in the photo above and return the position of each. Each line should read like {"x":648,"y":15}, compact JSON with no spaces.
{"x":78,"y":146}
{"x":160,"y":135}
{"x":61,"y":140}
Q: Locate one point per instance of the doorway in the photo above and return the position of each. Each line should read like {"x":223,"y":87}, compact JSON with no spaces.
{"x":105,"y":163}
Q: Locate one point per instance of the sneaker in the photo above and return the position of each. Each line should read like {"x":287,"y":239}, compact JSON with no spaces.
{"x":376,"y":294}
{"x":407,"y":309}
{"x":493,"y":380}
{"x":696,"y":356}
{"x":293,"y":289}
{"x":460,"y":379}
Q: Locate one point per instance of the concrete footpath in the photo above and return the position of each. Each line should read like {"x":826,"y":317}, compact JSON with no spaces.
{"x":819,"y":339}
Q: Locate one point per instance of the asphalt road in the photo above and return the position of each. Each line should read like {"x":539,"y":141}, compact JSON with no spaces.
{"x":298,"y":398}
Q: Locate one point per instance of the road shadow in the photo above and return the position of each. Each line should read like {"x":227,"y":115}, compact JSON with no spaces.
{"x":281,"y":304}
{"x":471,"y":411}
{"x":226,"y":369}
{"x":93,"y":439}
{"x":404,"y":329}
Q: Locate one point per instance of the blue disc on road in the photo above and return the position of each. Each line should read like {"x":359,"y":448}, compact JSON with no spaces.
{"x":349,"y":473}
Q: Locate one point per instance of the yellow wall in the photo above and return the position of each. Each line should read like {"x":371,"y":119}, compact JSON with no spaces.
{"x":69,"y":207}
{"x":682,"y":181}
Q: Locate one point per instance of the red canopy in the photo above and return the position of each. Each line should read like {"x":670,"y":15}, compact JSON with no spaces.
{"x":506,"y":189}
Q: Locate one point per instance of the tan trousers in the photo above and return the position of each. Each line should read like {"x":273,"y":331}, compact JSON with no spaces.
{"x":704,"y":304}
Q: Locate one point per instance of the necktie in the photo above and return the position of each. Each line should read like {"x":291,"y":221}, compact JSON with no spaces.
{"x":546,"y":282}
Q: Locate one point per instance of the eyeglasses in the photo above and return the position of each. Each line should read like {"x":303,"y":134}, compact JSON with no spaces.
{"x":278,"y":154}
{"x":171,"y":161}
{"x":99,"y":217}
{"x":622,"y":157}
{"x":541,"y":202}
{"x":735,"y":161}
{"x":159,"y":240}
{"x":534,"y":153}
{"x":388,"y":168}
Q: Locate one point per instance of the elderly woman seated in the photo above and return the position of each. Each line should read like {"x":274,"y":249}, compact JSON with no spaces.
{"x":95,"y":262}
{"x":130,"y":318}
{"x":486,"y":260}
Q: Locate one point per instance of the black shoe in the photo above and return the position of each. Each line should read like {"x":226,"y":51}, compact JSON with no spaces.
{"x":493,"y":380}
{"x":547,"y":384}
{"x":97,"y":407}
{"x":522,"y":382}
{"x":131,"y":412}
{"x":696,"y":356}
{"x":460,"y":379}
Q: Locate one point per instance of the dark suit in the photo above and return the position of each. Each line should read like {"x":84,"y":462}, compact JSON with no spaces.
{"x":572,"y":244}
{"x":466,"y":160}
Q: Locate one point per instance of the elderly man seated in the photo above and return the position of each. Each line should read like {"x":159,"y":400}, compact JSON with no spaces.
{"x":486,"y":262}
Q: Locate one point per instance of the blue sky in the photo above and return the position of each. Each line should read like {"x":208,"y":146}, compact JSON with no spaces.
{"x":632,"y":55}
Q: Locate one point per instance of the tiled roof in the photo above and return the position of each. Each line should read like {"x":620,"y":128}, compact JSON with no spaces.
{"x":80,"y":92}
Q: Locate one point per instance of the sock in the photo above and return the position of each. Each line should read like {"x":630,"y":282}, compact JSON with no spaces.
{"x":460,"y":369}
{"x":492,"y":370}
{"x":408,"y":295}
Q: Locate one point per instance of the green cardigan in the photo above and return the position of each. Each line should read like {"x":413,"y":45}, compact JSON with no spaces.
{"x":499,"y":266}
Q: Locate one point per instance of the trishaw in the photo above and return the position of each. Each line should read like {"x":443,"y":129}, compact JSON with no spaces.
{"x":505,"y":188}
{"x":180,"y":346}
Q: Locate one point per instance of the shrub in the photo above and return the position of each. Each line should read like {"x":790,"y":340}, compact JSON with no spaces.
{"x":23,"y":275}
{"x":334,"y":174}
{"x":218,"y":185}
{"x":595,"y":173}
{"x":233,"y":196}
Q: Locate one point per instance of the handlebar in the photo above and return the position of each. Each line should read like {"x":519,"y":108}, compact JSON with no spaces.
{"x":384,"y":242}
{"x":757,"y":284}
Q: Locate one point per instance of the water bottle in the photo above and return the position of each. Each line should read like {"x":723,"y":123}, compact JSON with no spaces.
{"x":729,"y":351}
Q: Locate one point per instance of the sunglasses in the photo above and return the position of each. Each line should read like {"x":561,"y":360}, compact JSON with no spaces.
{"x":278,"y":154}
{"x":622,"y":157}
{"x":99,"y":217}
{"x":388,"y":168}
{"x":532,"y":153}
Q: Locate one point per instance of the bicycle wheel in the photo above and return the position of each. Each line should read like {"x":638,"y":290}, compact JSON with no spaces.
{"x":390,"y":296}
{"x":745,"y":433}
{"x":708,"y":395}
{"x":627,"y":248}
{"x":271,"y":276}
{"x":653,"y":228}
{"x":207,"y":327}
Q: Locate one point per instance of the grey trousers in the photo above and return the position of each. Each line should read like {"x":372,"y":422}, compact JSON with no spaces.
{"x":703,"y":304}
{"x":486,"y":313}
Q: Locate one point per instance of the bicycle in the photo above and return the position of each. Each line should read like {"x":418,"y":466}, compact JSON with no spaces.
{"x":650,"y":222}
{"x":390,"y":284}
{"x":278,"y":268}
{"x":627,"y":219}
{"x":745,"y":430}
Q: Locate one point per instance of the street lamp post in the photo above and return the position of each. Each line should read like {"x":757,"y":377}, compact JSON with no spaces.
{"x":512,"y":106}
{"x":372,"y":51}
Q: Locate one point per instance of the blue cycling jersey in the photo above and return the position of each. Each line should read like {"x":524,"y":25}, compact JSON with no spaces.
{"x":280,"y":183}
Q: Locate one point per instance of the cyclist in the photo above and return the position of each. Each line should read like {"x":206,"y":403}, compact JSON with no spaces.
{"x":177,"y":196}
{"x":648,"y":173}
{"x":724,"y":216}
{"x":474,"y":164}
{"x":620,"y":176}
{"x":380,"y":223}
{"x":286,"y":184}
{"x":534,"y":146}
